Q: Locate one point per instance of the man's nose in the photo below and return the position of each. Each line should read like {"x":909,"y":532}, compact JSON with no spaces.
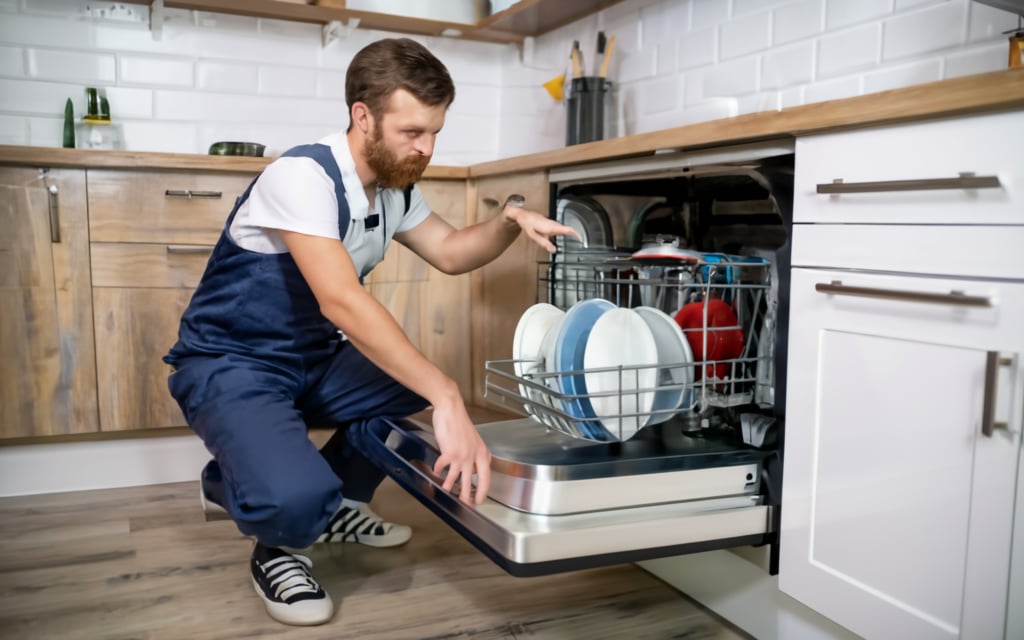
{"x":425,"y":145}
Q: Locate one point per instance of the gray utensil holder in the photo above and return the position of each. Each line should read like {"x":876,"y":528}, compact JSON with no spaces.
{"x":585,"y":109}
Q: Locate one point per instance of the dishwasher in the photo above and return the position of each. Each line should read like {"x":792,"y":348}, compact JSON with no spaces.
{"x":701,"y":472}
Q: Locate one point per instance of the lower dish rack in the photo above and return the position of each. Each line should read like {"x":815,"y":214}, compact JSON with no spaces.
{"x":723,"y":310}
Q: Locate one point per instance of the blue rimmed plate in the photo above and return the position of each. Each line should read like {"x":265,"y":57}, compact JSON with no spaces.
{"x":569,"y":348}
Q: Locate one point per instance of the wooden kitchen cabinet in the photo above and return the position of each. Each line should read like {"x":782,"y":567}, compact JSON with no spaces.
{"x":48,"y":370}
{"x":905,"y":394}
{"x":505,"y":288}
{"x":152,"y":233}
{"x":432,"y":307}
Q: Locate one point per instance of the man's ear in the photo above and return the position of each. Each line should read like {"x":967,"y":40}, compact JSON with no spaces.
{"x":362,"y":119}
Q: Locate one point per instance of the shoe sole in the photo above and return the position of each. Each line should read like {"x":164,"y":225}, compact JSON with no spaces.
{"x":285,"y":614}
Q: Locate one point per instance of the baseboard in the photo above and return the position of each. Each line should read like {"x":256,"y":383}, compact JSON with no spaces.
{"x":745,"y":595}
{"x":78,"y":466}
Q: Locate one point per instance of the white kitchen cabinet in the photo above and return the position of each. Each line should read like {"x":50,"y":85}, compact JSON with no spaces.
{"x":905,"y":395}
{"x":897,"y":509}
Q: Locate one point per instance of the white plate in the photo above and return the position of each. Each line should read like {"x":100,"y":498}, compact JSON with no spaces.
{"x":673,"y":349}
{"x":621,"y":337}
{"x":527,"y":347}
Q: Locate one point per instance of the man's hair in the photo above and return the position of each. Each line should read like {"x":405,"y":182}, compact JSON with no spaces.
{"x":384,"y":66}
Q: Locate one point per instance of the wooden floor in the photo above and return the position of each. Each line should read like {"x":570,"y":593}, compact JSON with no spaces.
{"x":143,"y":563}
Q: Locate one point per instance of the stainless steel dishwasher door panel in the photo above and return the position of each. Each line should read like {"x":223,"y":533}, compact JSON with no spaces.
{"x":526,"y":544}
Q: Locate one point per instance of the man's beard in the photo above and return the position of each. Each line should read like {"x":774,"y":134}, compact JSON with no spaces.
{"x":391,"y":172}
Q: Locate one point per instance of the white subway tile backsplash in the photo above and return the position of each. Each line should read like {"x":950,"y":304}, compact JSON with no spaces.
{"x":201,"y":106}
{"x":126,"y":102}
{"x":636,"y":65}
{"x":519,"y":134}
{"x":662,"y":94}
{"x":243,"y":45}
{"x":989,"y":23}
{"x":710,"y":110}
{"x":301,"y":30}
{"x":843,"y":13}
{"x":287,"y":81}
{"x":745,"y":35}
{"x":832,"y":89}
{"x":472,"y":99}
{"x":978,"y":60}
{"x":90,"y":68}
{"x":13,"y":130}
{"x":330,"y":84}
{"x":902,"y":5}
{"x":697,"y":48}
{"x":171,"y":137}
{"x":664,"y":22}
{"x":902,"y":76}
{"x":708,"y":13}
{"x":797,"y":21}
{"x":665,"y":55}
{"x":923,"y":31}
{"x":12,"y":61}
{"x":788,"y":66}
{"x":45,"y":31}
{"x":29,"y":96}
{"x":175,"y":39}
{"x":849,"y":50}
{"x":466,"y":134}
{"x":46,"y":132}
{"x":731,"y":78}
{"x":227,"y":77}
{"x":133,"y":69}
{"x":746,"y":7}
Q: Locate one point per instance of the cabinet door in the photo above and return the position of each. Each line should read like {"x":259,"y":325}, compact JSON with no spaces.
{"x":431,"y":307}
{"x":48,"y":370}
{"x":506,"y":287}
{"x":897,"y":509}
{"x":140,"y":292}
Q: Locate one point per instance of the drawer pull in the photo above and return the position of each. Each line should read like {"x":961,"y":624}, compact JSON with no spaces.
{"x":988,"y":410}
{"x":188,"y":193}
{"x":964,"y":181}
{"x":954,"y":298}
{"x":54,"y":206}
{"x":188,"y":249}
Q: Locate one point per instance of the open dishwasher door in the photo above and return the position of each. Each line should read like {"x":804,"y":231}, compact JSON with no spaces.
{"x":560,"y":504}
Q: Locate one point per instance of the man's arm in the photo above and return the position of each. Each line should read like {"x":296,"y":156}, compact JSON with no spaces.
{"x":458,"y":251}
{"x":328,"y":269}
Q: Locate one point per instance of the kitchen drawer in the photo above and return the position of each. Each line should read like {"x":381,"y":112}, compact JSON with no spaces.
{"x":912,"y":173}
{"x":183,"y":207}
{"x":958,"y":251}
{"x":148,"y":265}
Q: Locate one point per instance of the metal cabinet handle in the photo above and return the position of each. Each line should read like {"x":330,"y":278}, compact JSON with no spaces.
{"x":52,"y":192}
{"x":188,"y":193}
{"x":988,"y":409}
{"x":964,"y":181}
{"x":954,"y":298}
{"x":187,"y":249}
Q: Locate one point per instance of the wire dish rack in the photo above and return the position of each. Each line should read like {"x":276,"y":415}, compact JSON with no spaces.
{"x":722,"y":304}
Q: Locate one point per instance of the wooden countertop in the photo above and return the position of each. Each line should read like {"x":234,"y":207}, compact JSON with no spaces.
{"x":988,"y":92}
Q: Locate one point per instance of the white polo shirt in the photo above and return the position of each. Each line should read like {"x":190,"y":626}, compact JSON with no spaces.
{"x":296,"y":194}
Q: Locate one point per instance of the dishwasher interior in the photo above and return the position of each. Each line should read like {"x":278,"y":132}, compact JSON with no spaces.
{"x":683,"y":454}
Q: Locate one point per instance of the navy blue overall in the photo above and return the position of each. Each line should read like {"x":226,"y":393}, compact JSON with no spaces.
{"x":255,"y":365}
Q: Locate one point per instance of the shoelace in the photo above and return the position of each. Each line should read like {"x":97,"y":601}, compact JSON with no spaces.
{"x":289,"y":576}
{"x":351,"y":522}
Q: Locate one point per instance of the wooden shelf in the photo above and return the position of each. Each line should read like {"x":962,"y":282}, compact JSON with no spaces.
{"x":513,"y":25}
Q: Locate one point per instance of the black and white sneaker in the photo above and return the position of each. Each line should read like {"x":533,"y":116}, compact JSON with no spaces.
{"x":287,"y":587}
{"x":356,"y":522}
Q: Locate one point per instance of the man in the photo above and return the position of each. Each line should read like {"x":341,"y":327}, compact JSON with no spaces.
{"x":280,"y":333}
